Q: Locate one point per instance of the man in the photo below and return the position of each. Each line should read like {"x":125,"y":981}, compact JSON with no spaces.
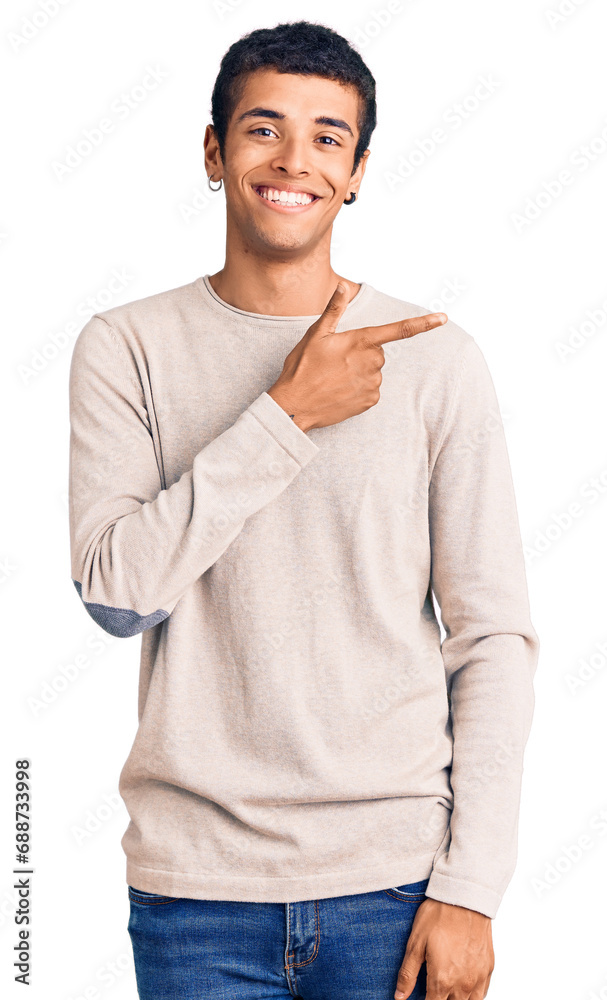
{"x":323,"y":800}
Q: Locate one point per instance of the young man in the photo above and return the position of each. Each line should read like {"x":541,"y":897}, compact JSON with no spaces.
{"x":323,"y":800}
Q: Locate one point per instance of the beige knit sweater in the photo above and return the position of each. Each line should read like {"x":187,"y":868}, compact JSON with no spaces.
{"x":302,"y":731}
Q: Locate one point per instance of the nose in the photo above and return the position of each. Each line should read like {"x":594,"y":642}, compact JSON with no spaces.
{"x":292,"y":157}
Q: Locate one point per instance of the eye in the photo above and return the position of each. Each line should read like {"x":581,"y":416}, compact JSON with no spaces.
{"x":265,"y":128}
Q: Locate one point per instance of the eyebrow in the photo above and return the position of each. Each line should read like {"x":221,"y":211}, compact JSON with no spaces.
{"x":270,"y":113}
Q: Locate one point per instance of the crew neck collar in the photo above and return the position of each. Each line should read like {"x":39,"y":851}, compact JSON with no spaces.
{"x":211,"y":295}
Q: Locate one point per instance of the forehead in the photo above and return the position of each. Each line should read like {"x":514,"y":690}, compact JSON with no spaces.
{"x":298,"y":96}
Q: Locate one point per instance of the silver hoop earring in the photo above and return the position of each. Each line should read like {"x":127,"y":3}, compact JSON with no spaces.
{"x":211,"y":186}
{"x":351,"y":199}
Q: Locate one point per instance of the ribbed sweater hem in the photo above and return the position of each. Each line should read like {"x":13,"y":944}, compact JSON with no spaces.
{"x":279,"y":889}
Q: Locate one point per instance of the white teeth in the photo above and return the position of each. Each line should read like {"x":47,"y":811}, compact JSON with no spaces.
{"x":286,"y":197}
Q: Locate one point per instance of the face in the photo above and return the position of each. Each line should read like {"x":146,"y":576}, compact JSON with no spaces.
{"x":275,"y":142}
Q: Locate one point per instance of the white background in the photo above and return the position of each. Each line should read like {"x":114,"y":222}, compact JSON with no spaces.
{"x":462,"y":217}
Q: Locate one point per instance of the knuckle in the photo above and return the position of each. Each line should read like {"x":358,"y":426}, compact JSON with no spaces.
{"x":468,"y":983}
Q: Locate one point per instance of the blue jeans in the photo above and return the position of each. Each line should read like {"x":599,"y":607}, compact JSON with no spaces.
{"x":338,"y":948}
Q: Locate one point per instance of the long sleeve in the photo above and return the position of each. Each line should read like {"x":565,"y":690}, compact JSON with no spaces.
{"x":135,"y":546}
{"x":490,"y":649}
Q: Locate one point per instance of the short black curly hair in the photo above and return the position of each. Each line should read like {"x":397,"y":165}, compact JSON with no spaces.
{"x":301,"y":47}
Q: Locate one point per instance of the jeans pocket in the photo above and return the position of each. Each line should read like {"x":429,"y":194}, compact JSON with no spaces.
{"x":414,"y":891}
{"x":149,"y":898}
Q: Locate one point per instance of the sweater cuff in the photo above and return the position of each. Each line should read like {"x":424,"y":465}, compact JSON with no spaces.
{"x":278,"y":423}
{"x":462,"y":893}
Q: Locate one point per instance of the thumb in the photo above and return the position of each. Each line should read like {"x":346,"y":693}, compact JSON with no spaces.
{"x":333,"y":311}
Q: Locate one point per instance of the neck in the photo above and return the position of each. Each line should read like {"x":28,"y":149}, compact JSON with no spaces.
{"x":299,"y":286}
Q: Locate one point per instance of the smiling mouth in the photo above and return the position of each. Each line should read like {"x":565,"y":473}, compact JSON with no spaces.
{"x":283,"y":201}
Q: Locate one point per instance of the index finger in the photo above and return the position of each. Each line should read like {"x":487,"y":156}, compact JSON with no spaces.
{"x":404,"y":328}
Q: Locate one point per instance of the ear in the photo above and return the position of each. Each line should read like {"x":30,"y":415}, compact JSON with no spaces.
{"x":356,"y":178}
{"x":212,"y":157}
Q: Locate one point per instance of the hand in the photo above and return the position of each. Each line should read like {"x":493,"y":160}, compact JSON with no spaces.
{"x":456,"y":944}
{"x":330,"y":376}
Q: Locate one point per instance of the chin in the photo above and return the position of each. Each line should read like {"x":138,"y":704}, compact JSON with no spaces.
{"x":282,"y":241}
